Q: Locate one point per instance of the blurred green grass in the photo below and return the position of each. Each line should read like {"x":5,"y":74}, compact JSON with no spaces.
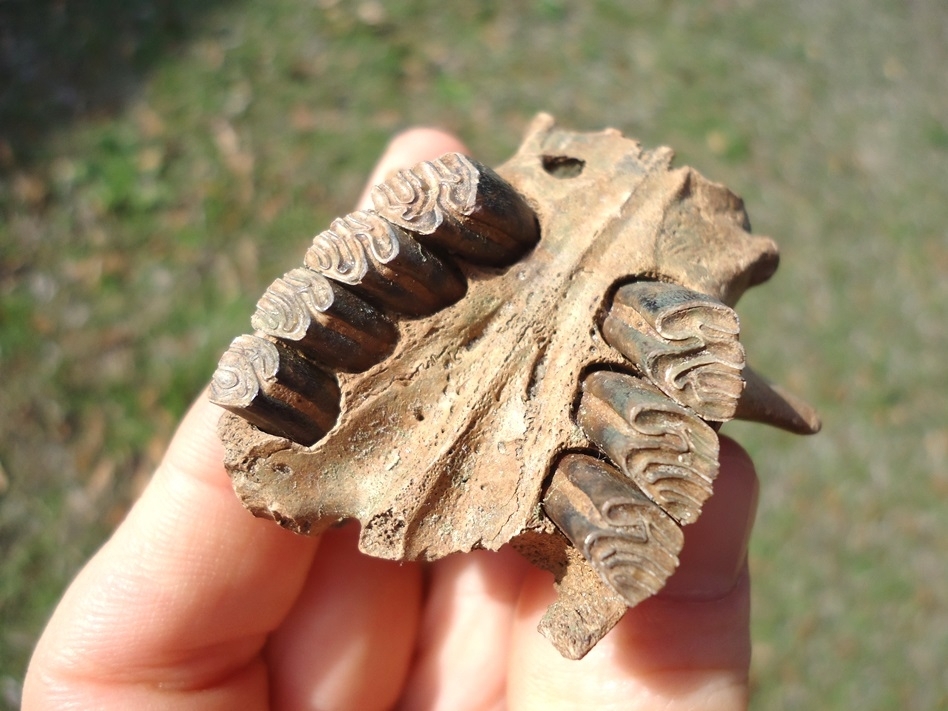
{"x":155,"y":178}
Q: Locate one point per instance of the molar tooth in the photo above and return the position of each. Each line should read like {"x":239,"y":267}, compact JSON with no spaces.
{"x":276,"y":389}
{"x":770,"y":404}
{"x":685,"y":342}
{"x":667,"y":450}
{"x":325,"y":322}
{"x":385,"y":264}
{"x":457,"y":204}
{"x":630,"y":542}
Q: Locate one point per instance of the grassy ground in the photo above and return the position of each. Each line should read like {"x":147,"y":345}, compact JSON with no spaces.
{"x":159,"y":165}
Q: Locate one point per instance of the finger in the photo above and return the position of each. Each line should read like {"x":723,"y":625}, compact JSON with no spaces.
{"x":461,"y":656}
{"x":406,"y":149}
{"x":179,"y":600}
{"x":687,"y":648}
{"x":347,"y":642}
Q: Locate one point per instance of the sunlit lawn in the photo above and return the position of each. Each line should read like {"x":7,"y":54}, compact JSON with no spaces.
{"x":159,"y":165}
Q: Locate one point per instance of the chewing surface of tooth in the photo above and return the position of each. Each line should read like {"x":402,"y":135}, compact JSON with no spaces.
{"x":631,"y":543}
{"x":276,"y":389}
{"x":325,"y":322}
{"x":458,"y":205}
{"x":667,"y":450}
{"x":384,"y":264}
{"x":686,"y":343}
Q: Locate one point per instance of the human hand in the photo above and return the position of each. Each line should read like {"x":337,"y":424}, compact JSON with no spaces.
{"x":195,"y":604}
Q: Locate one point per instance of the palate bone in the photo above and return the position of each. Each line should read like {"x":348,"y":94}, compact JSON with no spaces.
{"x":449,"y":442}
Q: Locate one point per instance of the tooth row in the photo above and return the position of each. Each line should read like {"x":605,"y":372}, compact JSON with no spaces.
{"x":625,"y":518}
{"x":336,"y":313}
{"x":690,"y":368}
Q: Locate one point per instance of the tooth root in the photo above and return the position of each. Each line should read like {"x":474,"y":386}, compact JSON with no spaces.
{"x":276,"y":389}
{"x":459,"y":205}
{"x":665,"y":449}
{"x":770,"y":404}
{"x":384,"y":264}
{"x":630,"y":542}
{"x":324,"y":322}
{"x":683,"y":341}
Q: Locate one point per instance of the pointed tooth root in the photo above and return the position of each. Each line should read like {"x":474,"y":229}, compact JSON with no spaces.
{"x":770,"y":404}
{"x":325,"y":322}
{"x":276,"y":389}
{"x":677,"y":312}
{"x":384,"y":264}
{"x":665,"y":449}
{"x":630,"y":542}
{"x":685,"y":342}
{"x":456,"y":204}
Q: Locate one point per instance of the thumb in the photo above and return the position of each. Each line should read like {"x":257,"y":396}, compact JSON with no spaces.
{"x":688,"y":647}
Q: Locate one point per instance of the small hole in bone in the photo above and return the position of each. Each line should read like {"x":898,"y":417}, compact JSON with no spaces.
{"x":563,"y":167}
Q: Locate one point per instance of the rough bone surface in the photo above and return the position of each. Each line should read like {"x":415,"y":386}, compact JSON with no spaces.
{"x":572,"y":307}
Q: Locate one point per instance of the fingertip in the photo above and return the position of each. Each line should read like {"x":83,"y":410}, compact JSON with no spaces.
{"x":421,"y":143}
{"x":461,"y":656}
{"x":196,"y":447}
{"x":407,"y":148}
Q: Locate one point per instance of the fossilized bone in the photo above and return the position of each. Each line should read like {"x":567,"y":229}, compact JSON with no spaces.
{"x":454,"y":367}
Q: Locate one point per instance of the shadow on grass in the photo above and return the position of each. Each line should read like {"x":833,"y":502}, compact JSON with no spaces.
{"x":61,"y":60}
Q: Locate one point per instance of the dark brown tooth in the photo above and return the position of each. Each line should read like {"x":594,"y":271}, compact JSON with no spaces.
{"x":384,"y":264}
{"x":772,"y":405}
{"x":683,"y":341}
{"x":276,"y":389}
{"x":325,"y":322}
{"x":456,"y":204}
{"x":630,"y":542}
{"x":669,"y":452}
